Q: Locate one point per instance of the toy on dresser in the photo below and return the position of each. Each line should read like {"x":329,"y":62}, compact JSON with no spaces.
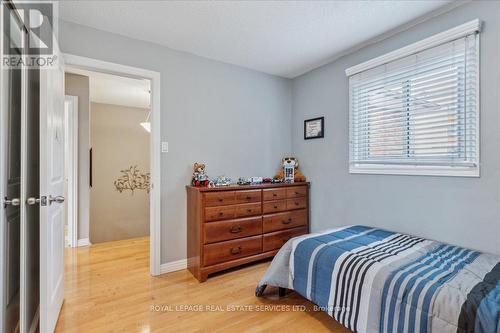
{"x":289,"y":172}
{"x":220,"y":181}
{"x":200,"y":178}
{"x":254,"y":180}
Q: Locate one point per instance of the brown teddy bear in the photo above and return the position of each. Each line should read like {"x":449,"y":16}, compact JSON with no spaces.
{"x":287,"y":163}
{"x":200,"y":178}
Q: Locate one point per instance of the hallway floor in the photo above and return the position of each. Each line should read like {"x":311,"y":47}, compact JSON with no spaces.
{"x":108,"y":289}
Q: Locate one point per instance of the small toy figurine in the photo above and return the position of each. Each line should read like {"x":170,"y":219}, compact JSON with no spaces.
{"x":256,"y":180}
{"x":267,"y":180}
{"x":221,"y":181}
{"x":200,"y":178}
{"x":290,"y":171}
{"x":244,"y":181}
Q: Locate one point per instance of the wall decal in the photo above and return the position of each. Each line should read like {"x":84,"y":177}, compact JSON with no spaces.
{"x":132,"y":179}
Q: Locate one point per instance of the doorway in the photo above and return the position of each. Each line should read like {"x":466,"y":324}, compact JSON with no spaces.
{"x":130,"y":183}
{"x":118,"y":165}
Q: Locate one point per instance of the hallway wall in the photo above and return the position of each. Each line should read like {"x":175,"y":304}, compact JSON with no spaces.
{"x":118,"y":142}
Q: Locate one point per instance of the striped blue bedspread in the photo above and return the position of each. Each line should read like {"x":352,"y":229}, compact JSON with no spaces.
{"x":373,"y":280}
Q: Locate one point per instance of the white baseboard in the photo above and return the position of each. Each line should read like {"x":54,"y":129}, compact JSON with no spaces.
{"x":83,"y":242}
{"x":173,"y":266}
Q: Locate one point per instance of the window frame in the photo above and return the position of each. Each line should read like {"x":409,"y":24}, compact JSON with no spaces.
{"x":421,"y":169}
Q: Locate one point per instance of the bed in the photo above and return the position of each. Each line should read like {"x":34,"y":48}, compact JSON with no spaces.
{"x":373,"y":280}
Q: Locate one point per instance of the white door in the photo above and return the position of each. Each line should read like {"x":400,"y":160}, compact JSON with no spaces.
{"x":51,"y":190}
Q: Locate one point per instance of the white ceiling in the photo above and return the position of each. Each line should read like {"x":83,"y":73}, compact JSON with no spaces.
{"x":284,"y":38}
{"x":117,"y":90}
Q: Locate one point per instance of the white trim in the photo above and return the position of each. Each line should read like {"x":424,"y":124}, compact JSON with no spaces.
{"x":155,"y":142}
{"x":83,"y":242}
{"x":414,"y":170}
{"x":478,"y":105}
{"x":23,"y":296}
{"x":72,"y":172}
{"x":173,"y":266}
{"x":3,"y":175}
{"x":441,"y":38}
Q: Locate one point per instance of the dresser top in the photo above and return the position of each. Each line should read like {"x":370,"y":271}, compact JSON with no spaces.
{"x":244,"y":187}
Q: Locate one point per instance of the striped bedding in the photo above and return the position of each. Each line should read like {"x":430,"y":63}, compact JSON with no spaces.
{"x":373,"y":280}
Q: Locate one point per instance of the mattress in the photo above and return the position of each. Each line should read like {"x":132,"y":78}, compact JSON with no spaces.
{"x":374,"y":280}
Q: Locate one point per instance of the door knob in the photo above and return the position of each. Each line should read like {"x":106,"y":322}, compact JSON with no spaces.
{"x":58,"y":199}
{"x":31,"y":201}
{"x":11,"y":202}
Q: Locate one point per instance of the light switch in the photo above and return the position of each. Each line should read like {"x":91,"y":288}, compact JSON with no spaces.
{"x":164,"y":147}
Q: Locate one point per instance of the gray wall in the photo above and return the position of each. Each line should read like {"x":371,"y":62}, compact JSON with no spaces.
{"x":463,"y":211}
{"x":118,"y":142}
{"x":78,"y":85}
{"x":235,"y":120}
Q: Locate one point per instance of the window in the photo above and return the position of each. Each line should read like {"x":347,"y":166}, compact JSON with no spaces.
{"x":415,"y":111}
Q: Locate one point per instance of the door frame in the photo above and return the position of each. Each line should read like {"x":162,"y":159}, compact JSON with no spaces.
{"x":72,"y":171}
{"x":3,"y":173}
{"x":79,"y":62}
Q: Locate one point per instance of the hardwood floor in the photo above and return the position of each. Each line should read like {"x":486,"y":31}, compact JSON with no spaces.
{"x":109,"y":289}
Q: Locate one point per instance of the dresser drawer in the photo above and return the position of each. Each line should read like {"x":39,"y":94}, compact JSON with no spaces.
{"x":250,"y":209}
{"x":274,"y":206}
{"x":296,"y":191}
{"x":248,"y":196}
{"x":220,"y":213}
{"x":232,"y":229}
{"x":296,"y":203}
{"x":280,"y":221}
{"x":275,"y":240}
{"x":229,"y":250}
{"x":273,"y":194}
{"x":219,"y":198}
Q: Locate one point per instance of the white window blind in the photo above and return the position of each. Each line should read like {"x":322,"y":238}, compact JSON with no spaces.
{"x":419,"y":111}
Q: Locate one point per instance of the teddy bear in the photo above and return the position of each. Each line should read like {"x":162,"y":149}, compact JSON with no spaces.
{"x":290,"y":163}
{"x":200,"y":178}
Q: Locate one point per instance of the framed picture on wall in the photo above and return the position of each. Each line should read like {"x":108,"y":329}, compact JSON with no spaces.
{"x":314,"y":128}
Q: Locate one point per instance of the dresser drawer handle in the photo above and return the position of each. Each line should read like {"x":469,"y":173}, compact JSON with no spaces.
{"x":275,"y":194}
{"x":275,"y":207}
{"x":249,"y":210}
{"x":296,"y":203}
{"x":287,"y":221}
{"x":235,"y":229}
{"x":221,"y":214}
{"x":220,"y":199}
{"x":297,"y":193}
{"x":236,"y":250}
{"x":249,"y":198}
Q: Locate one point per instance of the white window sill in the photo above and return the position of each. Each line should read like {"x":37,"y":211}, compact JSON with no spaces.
{"x":414,"y":170}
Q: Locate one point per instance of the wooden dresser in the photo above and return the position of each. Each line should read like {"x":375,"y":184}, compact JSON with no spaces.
{"x":234,"y":225}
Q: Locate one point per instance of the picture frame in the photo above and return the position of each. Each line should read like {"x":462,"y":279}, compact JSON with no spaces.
{"x":314,"y":128}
